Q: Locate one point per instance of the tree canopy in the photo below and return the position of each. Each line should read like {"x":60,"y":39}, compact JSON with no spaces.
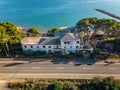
{"x":84,"y":23}
{"x":52,"y":31}
{"x":9,"y":33}
{"x":109,"y":26}
{"x":33,"y":32}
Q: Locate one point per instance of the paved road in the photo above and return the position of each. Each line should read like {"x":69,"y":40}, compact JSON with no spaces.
{"x":13,"y":70}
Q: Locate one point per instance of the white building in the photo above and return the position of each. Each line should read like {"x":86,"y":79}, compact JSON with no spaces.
{"x":71,"y":42}
{"x":68,"y":42}
{"x":41,"y":43}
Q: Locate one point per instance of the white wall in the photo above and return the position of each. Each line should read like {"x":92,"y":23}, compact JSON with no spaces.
{"x":72,"y":44}
{"x":53,"y":48}
{"x":35,"y":47}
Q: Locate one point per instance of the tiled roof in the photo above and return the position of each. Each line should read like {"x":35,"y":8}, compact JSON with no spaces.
{"x":50,"y":41}
{"x":54,"y":41}
{"x":41,"y":40}
{"x":68,"y":36}
{"x":44,"y":41}
{"x":30,"y":40}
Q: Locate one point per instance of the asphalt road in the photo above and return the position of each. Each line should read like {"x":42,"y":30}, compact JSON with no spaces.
{"x":13,"y":70}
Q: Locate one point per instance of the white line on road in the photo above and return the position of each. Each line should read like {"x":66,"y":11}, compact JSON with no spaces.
{"x":35,"y":67}
{"x":86,"y":68}
{"x":2,"y":81}
{"x":112,"y":68}
{"x":60,"y":67}
{"x":9,"y":67}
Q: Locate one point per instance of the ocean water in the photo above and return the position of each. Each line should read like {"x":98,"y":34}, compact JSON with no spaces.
{"x":46,"y":14}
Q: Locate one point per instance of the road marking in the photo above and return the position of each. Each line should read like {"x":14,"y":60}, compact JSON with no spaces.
{"x":112,"y":68}
{"x":9,"y":67}
{"x":60,"y":67}
{"x":35,"y":67}
{"x":2,"y":81}
{"x":87,"y":68}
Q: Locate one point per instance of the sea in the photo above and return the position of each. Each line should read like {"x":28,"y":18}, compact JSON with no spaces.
{"x":47,"y":14}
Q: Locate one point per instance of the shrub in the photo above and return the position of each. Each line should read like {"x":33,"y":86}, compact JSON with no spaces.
{"x":55,"y":86}
{"x":65,"y":53}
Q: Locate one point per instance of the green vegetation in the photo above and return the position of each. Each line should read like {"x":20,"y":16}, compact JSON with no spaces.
{"x":33,"y":32}
{"x":55,"y":86}
{"x":52,"y":31}
{"x":65,"y":53}
{"x":81,"y":34}
{"x":97,"y":83}
{"x":110,"y":26}
{"x":105,"y":35}
{"x":84,"y":23}
{"x":9,"y":37}
{"x":37,"y":54}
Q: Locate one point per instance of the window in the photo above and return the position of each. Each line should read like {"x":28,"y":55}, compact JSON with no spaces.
{"x":31,"y":46}
{"x":43,"y":46}
{"x":77,"y":46}
{"x":49,"y":47}
{"x":37,"y":46}
{"x":77,"y":42}
{"x":25,"y":46}
{"x":68,"y":42}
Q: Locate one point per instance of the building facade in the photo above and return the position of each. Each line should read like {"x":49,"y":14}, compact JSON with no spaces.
{"x":69,"y":41}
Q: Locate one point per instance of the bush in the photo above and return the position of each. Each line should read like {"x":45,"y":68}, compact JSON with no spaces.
{"x":39,"y":53}
{"x":55,"y":86}
{"x":73,"y":87}
{"x":65,"y":53}
{"x":96,"y":83}
{"x":28,"y":53}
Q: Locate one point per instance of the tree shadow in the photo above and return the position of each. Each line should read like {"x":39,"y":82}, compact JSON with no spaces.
{"x":27,"y":59}
{"x":13,"y":64}
{"x":75,"y":61}
{"x":83,"y":61}
{"x":108,"y":63}
{"x":32,"y":60}
{"x":77,"y":64}
{"x":61,"y":60}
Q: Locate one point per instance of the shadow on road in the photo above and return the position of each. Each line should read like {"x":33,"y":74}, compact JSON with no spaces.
{"x":32,"y":60}
{"x":75,"y":61}
{"x":28,"y":59}
{"x":108,"y":63}
{"x":61,"y":60}
{"x":13,"y":64}
{"x":77,"y":64}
